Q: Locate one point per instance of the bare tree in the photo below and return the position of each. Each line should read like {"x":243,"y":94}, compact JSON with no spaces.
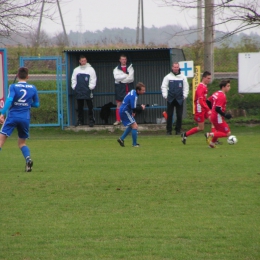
{"x":18,"y":16}
{"x":241,"y":15}
{"x":60,"y":39}
{"x":44,"y":38}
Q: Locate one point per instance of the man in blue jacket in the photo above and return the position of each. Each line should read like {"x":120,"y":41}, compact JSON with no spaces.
{"x":175,"y":90}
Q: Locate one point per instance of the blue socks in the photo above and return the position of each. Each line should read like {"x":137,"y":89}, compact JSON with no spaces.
{"x":134,"y":136}
{"x":126,"y":132}
{"x":26,"y":152}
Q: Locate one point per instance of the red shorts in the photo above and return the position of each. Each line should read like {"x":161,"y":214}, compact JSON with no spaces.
{"x":221,"y":127}
{"x":200,"y":117}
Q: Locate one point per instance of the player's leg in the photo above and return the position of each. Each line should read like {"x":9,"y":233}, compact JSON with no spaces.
{"x":192,"y":131}
{"x":179,"y":111}
{"x":199,"y":118}
{"x":127,"y":120}
{"x":2,"y":140}
{"x":124,"y":135}
{"x":118,"y":119}
{"x":6,"y":130}
{"x":23,"y":134}
{"x":134,"y":127}
{"x":222,"y":130}
{"x":91,"y":116}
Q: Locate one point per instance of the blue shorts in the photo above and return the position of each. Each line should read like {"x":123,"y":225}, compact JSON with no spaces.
{"x":127,"y":118}
{"x":22,"y":126}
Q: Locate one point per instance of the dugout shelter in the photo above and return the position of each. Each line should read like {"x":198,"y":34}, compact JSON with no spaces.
{"x":150,"y":66}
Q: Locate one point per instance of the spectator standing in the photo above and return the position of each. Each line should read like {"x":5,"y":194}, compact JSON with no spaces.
{"x":175,"y":90}
{"x":127,"y":113}
{"x":124,"y":83}
{"x":22,"y":96}
{"x":83,"y":81}
{"x":202,"y":111}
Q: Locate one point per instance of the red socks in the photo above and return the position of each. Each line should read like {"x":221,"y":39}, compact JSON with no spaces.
{"x":192,"y":131}
{"x":218,"y":135}
{"x":117,"y":115}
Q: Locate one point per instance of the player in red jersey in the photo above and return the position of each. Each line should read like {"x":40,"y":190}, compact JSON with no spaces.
{"x":218,"y":114}
{"x":202,"y":111}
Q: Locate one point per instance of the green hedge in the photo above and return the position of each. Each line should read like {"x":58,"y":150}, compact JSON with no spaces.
{"x":47,"y":113}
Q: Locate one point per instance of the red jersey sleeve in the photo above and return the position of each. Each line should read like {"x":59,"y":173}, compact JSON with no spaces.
{"x":221,"y":102}
{"x":201,"y":96}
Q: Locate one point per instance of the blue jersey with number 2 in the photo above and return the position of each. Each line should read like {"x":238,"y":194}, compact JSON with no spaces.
{"x":23,"y":95}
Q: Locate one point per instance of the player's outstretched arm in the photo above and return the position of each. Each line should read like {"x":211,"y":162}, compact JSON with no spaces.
{"x":2,"y":119}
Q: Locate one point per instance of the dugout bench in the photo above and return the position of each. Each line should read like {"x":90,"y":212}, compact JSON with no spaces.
{"x":150,"y":66}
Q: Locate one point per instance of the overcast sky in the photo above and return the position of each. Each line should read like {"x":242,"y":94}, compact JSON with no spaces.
{"x":100,"y":14}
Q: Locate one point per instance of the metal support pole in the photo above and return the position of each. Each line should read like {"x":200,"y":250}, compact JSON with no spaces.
{"x":142,"y":7}
{"x":138,"y":23}
{"x":209,"y":37}
{"x":63,"y":26}
{"x":39,"y":26}
{"x":199,"y":21}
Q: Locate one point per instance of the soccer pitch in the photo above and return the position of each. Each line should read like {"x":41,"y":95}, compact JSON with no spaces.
{"x":89,"y":198}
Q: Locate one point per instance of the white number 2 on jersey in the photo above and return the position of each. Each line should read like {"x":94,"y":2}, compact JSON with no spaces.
{"x":24,"y":94}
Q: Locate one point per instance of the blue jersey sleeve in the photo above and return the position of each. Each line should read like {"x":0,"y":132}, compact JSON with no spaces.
{"x":36,"y":102}
{"x":11,"y":91}
{"x":133,"y":101}
{"x":9,"y":100}
{"x":7,"y":105}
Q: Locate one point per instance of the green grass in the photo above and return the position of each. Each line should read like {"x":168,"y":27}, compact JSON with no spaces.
{"x":89,"y":198}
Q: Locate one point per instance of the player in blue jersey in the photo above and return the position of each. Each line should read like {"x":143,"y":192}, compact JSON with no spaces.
{"x":22,"y":96}
{"x":127,"y":113}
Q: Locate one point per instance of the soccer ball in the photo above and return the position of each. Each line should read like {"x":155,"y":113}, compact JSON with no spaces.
{"x":232,"y":139}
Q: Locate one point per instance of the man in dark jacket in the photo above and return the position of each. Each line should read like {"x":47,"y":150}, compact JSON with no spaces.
{"x":175,"y":90}
{"x":83,"y":81}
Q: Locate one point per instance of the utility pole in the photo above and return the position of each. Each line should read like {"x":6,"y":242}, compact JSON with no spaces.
{"x":80,"y":29}
{"x":142,"y":7}
{"x":63,"y":26}
{"x":39,"y":26}
{"x":199,"y":20}
{"x":140,"y":10}
{"x":209,"y":37}
{"x":138,"y":23}
{"x":40,"y":22}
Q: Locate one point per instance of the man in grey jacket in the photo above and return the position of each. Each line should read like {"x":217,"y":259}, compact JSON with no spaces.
{"x":175,"y":89}
{"x":83,"y":81}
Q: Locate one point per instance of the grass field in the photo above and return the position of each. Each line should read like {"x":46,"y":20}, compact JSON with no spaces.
{"x":89,"y":198}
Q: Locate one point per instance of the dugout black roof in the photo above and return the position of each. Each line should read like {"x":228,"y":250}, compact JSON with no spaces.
{"x":133,"y":55}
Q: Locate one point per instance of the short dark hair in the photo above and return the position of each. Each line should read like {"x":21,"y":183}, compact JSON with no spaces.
{"x":122,"y":55}
{"x":22,"y":73}
{"x":82,"y":56}
{"x":139,"y":86}
{"x":223,"y":83}
{"x":205,"y":74}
